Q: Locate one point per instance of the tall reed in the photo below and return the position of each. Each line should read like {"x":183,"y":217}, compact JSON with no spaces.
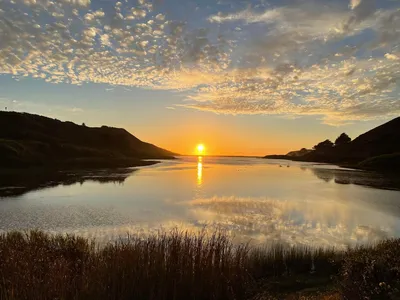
{"x":179,"y":265}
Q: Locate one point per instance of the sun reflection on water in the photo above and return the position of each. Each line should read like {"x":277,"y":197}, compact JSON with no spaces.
{"x":199,"y":171}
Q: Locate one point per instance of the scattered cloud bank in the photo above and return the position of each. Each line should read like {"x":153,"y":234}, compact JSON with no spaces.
{"x":340,"y":62}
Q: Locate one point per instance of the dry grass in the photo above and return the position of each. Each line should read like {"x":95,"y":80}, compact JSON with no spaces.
{"x":372,"y":272}
{"x":179,"y":265}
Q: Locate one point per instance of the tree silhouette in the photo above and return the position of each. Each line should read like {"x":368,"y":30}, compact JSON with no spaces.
{"x":325,"y":145}
{"x":342,"y":139}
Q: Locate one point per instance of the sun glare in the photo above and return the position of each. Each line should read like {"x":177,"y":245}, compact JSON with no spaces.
{"x":200,"y":149}
{"x":199,"y":171}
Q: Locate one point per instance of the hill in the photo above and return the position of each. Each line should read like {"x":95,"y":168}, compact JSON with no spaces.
{"x":298,"y":153}
{"x":32,"y":140}
{"x":377,"y":149}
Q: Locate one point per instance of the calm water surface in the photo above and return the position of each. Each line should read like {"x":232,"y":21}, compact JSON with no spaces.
{"x":254,"y":199}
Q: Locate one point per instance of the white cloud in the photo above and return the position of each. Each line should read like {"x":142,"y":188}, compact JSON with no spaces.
{"x":160,"y":17}
{"x":354,"y":3}
{"x":248,"y":16}
{"x":392,"y":56}
{"x":302,"y":61}
{"x":75,"y":110}
{"x":361,"y":10}
{"x":350,"y":90}
{"x":138,"y":13}
{"x":47,"y":3}
{"x":95,"y":15}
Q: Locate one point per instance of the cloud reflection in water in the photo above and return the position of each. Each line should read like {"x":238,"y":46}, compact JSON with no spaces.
{"x":313,"y":222}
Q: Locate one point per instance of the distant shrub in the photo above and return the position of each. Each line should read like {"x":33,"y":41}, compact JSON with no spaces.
{"x":342,"y":139}
{"x":323,"y":146}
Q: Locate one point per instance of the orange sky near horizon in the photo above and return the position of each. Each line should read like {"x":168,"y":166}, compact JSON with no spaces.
{"x":227,"y":138}
{"x":180,"y":130}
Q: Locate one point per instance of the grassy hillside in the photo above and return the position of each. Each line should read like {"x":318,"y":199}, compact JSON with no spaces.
{"x":384,"y":139}
{"x":382,"y":162}
{"x":377,"y":149}
{"x":32,"y":140}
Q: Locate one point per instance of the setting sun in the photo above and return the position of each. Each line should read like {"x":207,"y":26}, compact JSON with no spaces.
{"x":200,"y":149}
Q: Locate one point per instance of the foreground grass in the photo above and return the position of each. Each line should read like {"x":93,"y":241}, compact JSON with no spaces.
{"x":179,"y":265}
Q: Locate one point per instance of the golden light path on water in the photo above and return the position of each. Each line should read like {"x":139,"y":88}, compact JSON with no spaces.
{"x":199,"y":171}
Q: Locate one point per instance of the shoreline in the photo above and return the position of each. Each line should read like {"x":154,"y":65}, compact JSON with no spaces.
{"x":78,"y":165}
{"x":341,"y":165}
{"x":19,"y":181}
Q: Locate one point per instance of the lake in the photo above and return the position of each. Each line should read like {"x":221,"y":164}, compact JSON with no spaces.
{"x":255,"y":200}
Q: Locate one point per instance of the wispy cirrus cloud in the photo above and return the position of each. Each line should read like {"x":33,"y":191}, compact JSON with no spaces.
{"x":348,"y":90}
{"x":312,"y":59}
{"x":336,"y":61}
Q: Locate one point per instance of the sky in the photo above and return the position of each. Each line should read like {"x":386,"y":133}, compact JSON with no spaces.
{"x":242,"y":77}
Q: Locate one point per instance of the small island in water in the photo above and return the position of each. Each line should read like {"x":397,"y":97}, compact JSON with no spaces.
{"x":29,"y":140}
{"x":377,"y":149}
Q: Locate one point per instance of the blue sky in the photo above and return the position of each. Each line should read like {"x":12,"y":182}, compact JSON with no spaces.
{"x":243,"y":77}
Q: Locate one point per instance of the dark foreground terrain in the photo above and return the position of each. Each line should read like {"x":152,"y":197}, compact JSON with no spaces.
{"x":377,"y":149}
{"x":185,"y":266}
{"x":28,"y":140}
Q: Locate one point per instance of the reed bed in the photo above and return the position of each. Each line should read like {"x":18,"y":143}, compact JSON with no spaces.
{"x":180,"y":265}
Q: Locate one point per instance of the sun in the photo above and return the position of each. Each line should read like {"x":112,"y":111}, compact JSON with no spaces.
{"x":200,"y":149}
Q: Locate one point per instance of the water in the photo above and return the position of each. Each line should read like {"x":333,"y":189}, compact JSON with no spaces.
{"x":255,"y":200}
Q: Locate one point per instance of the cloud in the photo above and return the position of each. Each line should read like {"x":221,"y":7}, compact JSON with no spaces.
{"x":75,"y":110}
{"x":47,"y":3}
{"x":305,"y":76}
{"x":354,"y":3}
{"x":361,"y":10}
{"x":349,"y":90}
{"x":39,"y":108}
{"x":392,"y":56}
{"x":248,"y":16}
{"x":338,"y":62}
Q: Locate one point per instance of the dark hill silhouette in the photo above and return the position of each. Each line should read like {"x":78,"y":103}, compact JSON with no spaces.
{"x":378,"y":148}
{"x":301,"y":152}
{"x":33,"y":140}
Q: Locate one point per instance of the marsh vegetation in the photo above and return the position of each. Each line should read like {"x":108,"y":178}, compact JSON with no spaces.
{"x":182,"y":265}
